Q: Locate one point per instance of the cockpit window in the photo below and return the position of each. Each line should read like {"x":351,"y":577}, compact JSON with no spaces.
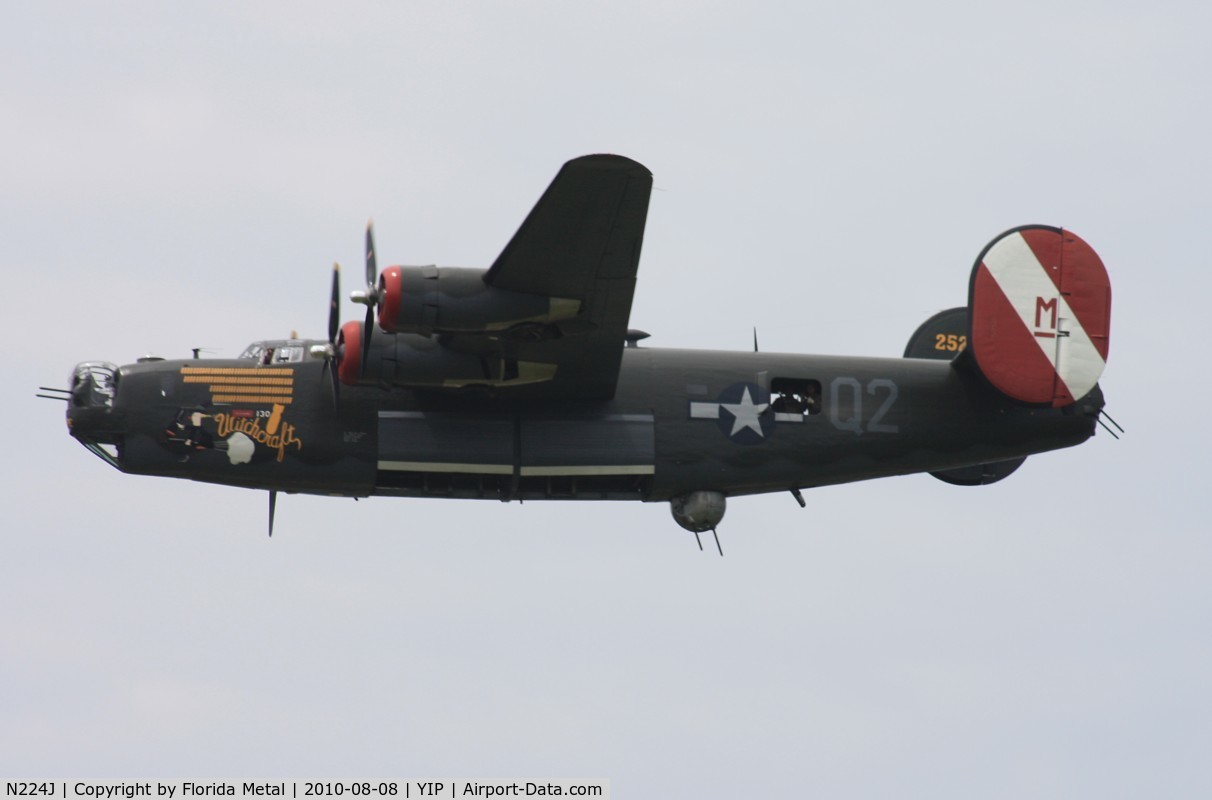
{"x":287,"y":355}
{"x":253,"y":352}
{"x":266,"y":353}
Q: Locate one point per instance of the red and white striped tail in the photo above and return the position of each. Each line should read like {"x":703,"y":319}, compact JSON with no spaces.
{"x":1040,"y":303}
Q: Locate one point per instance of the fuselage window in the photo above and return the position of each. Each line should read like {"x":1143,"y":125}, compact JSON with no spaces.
{"x":795,"y":396}
{"x":288,"y":354}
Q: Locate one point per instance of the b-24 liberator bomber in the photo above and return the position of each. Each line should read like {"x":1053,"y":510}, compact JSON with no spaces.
{"x":524,"y":382}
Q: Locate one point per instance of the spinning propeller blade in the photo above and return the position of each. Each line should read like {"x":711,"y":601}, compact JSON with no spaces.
{"x":334,"y":305}
{"x":334,"y":325}
{"x":372,"y":291}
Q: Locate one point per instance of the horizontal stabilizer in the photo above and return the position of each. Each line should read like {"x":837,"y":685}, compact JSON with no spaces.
{"x":1040,"y":303}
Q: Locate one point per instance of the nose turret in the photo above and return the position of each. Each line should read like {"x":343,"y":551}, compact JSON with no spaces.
{"x":91,"y":416}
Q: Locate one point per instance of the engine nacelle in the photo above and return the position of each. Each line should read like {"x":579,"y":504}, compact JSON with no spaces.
{"x":437,"y":300}
{"x":420,"y":362}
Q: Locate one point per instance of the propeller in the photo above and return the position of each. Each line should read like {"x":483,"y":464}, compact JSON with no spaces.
{"x":329,"y":352}
{"x":370,"y":296}
{"x":334,"y":305}
{"x":334,"y":324}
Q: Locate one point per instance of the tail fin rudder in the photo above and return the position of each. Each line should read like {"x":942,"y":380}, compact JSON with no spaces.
{"x":1040,"y":308}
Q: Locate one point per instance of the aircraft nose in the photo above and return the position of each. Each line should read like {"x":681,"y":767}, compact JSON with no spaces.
{"x":91,"y":417}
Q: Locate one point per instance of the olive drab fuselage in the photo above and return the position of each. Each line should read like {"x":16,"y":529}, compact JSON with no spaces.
{"x":680,"y":421}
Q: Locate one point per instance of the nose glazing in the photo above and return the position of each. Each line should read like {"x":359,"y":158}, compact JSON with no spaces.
{"x":90,"y":409}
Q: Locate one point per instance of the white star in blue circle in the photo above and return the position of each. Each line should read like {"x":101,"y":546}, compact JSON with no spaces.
{"x":744,"y":413}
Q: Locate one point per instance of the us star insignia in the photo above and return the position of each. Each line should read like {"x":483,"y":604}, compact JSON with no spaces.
{"x":743,"y":413}
{"x":746,"y":414}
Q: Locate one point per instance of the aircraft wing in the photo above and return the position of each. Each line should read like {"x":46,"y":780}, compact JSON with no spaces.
{"x":581,"y":241}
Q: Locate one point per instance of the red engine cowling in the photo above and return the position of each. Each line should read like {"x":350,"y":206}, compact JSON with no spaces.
{"x":390,"y":291}
{"x":349,"y":353}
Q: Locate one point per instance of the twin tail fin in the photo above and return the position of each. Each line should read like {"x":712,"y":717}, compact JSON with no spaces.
{"x":1037,"y":324}
{"x":1036,"y":327}
{"x":1040,"y":315}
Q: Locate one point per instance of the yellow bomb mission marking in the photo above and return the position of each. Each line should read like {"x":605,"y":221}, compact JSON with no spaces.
{"x":244,"y":384}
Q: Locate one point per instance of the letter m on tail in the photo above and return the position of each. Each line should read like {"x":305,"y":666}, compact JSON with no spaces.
{"x":1042,"y":308}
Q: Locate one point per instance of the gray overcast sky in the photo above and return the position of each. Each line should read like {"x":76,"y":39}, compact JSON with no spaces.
{"x":174,"y":177}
